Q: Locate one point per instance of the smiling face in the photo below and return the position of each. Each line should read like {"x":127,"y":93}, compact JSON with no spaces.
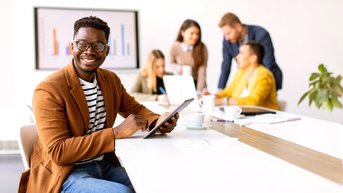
{"x":191,"y":35}
{"x":87,"y":62}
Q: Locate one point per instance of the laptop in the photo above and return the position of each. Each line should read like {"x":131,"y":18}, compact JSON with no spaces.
{"x":179,"y":88}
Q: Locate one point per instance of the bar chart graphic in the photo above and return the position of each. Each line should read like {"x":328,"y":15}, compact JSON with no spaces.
{"x":54,"y":42}
{"x":54,"y":37}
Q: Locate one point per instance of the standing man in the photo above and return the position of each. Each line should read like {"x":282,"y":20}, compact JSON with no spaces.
{"x":75,"y":109}
{"x":235,"y":34}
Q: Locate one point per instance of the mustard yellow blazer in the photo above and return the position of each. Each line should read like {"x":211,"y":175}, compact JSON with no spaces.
{"x":260,"y":88}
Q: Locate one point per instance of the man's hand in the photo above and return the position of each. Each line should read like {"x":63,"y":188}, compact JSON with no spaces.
{"x":130,"y":125}
{"x":168,"y":126}
{"x":221,"y":101}
{"x":205,"y":92}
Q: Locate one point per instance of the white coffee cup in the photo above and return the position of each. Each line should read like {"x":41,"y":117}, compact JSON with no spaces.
{"x":186,"y":70}
{"x":207,"y":102}
{"x":232,"y":112}
{"x":194,"y":120}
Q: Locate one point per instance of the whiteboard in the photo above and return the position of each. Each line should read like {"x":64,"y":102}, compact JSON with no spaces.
{"x":54,"y":32}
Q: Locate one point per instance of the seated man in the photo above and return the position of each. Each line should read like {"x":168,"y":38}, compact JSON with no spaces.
{"x":75,"y":109}
{"x":253,"y":84}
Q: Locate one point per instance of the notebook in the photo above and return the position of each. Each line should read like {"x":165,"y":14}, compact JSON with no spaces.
{"x":179,"y":88}
{"x":253,"y":110}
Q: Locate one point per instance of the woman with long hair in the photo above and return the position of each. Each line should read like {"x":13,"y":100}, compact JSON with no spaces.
{"x":149,"y":83}
{"x":189,"y":54}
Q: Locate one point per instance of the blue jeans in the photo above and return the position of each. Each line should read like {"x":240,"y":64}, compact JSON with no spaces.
{"x":97,"y":177}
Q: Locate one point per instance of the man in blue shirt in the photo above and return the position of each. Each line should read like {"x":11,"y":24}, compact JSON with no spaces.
{"x":235,"y":34}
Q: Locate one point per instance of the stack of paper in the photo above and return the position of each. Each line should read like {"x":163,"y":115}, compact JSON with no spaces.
{"x":267,"y":119}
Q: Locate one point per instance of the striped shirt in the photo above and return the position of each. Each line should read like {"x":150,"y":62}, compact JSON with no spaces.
{"x":96,"y":108}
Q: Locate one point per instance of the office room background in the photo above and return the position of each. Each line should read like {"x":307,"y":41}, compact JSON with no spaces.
{"x":304,"y":33}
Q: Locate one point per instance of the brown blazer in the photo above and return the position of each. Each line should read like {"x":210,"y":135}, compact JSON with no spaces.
{"x":62,"y":118}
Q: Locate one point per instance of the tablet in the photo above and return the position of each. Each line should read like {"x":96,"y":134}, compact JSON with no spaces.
{"x":177,"y":110}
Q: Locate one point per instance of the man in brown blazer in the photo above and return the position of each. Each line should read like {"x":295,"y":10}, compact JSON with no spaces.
{"x":75,"y":109}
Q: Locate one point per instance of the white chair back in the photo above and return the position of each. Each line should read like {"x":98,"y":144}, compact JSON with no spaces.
{"x":26,"y":141}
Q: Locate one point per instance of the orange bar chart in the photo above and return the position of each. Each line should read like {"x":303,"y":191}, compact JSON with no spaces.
{"x":54,"y":42}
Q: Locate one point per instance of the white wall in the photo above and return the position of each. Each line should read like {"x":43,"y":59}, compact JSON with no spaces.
{"x":305,"y":33}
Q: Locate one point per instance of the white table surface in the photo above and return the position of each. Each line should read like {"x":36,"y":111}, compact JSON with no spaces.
{"x":208,"y":161}
{"x":320,"y":135}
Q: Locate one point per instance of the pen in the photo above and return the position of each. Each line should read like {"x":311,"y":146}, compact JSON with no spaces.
{"x":162,"y":90}
{"x":221,"y":120}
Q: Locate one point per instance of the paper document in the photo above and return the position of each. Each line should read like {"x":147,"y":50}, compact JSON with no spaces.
{"x":267,"y":119}
{"x":206,"y":142}
{"x":276,"y":118}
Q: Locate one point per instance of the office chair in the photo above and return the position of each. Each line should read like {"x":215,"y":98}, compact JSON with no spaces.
{"x":282,"y":105}
{"x":26,"y":141}
{"x":27,"y":137}
{"x":31,"y":115}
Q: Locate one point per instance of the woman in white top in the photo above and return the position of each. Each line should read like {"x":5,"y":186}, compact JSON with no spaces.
{"x":189,"y":54}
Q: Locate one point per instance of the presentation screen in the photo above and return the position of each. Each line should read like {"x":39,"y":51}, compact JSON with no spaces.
{"x":54,"y":29}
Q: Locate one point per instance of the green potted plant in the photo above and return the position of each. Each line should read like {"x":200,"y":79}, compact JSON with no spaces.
{"x":325,"y":89}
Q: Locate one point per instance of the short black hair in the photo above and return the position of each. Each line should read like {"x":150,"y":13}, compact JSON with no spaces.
{"x":94,"y":22}
{"x":256,"y":49}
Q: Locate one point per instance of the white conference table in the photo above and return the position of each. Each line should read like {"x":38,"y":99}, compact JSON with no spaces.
{"x":207,"y":161}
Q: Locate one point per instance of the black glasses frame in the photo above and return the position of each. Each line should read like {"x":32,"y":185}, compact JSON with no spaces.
{"x":96,"y":46}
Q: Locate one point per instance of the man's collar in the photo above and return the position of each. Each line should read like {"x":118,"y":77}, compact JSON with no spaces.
{"x":244,"y":38}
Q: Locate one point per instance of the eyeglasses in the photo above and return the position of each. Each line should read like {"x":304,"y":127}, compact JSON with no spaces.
{"x":83,"y":45}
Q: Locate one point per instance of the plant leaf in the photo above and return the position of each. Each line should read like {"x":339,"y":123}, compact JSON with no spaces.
{"x":314,"y":76}
{"x":322,"y":95}
{"x":336,"y":103}
{"x":303,"y":97}
{"x":312,"y":96}
{"x":322,"y":68}
{"x":317,"y":102}
{"x":325,"y":90}
{"x":328,"y":105}
{"x":313,"y":83}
